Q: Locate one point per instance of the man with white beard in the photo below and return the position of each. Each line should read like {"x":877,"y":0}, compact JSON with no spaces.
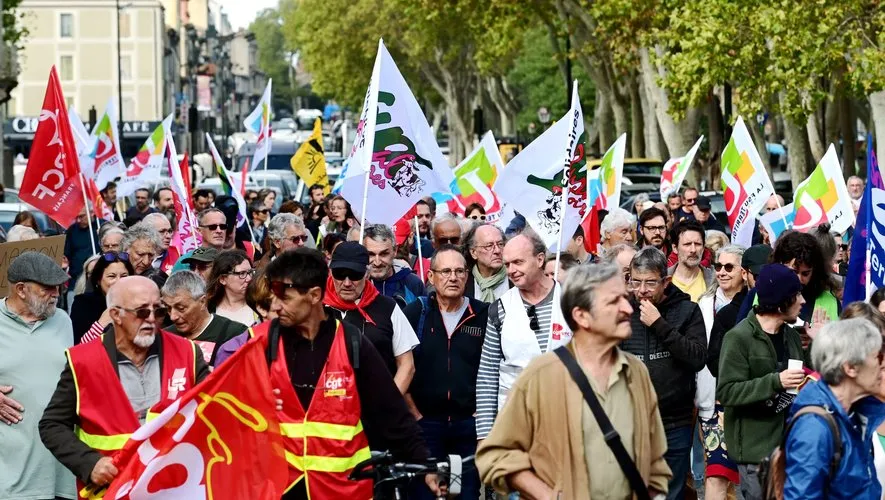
{"x":109,"y":388}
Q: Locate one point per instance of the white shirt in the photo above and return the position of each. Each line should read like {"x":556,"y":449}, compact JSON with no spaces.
{"x":404,"y":338}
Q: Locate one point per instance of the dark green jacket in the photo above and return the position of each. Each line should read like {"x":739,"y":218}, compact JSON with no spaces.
{"x":748,"y":381}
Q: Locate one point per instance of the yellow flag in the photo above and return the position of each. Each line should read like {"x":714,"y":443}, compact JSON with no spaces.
{"x":309,"y":162}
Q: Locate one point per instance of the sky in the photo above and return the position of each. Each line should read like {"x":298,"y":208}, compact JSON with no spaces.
{"x":241,"y":13}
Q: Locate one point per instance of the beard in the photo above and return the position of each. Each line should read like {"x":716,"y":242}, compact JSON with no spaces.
{"x":42,"y":309}
{"x":144,"y":341}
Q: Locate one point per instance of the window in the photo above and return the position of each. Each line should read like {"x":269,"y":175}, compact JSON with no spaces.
{"x":125,"y":25}
{"x":126,"y":67}
{"x":69,"y":101}
{"x":66,"y":68}
{"x":66,"y":25}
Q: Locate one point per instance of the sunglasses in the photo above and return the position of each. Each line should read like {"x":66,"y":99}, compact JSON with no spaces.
{"x":478,"y":217}
{"x":262,"y":211}
{"x":159,"y":312}
{"x":449,"y":241}
{"x":115,"y":256}
{"x":533,"y":318}
{"x":279,"y":288}
{"x":728,"y":267}
{"x":297,"y":240}
{"x":215,"y":227}
{"x":342,"y":274}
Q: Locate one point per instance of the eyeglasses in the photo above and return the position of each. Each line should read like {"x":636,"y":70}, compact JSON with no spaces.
{"x":655,"y":229}
{"x":447,"y":273}
{"x":159,"y":312}
{"x":342,"y":274}
{"x":491,"y":246}
{"x":449,"y":241}
{"x":297,"y":240}
{"x":533,"y":318}
{"x":478,"y":217}
{"x":279,"y":288}
{"x":728,"y":267}
{"x":648,"y":284}
{"x":243,"y":274}
{"x":215,"y":227}
{"x":115,"y":256}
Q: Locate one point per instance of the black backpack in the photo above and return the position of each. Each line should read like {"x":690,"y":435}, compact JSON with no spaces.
{"x":351,"y":337}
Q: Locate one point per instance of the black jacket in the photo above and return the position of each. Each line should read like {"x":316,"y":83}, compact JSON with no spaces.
{"x":381,"y":333}
{"x":86,"y":310}
{"x":673,"y":349}
{"x":723,"y":321}
{"x":60,"y":417}
{"x":445,"y":369}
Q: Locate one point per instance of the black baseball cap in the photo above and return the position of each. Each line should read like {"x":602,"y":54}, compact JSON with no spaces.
{"x":703,"y":203}
{"x":350,"y":255}
{"x":755,"y":257}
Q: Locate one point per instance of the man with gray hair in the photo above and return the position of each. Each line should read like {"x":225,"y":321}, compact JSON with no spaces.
{"x":392,"y":280}
{"x":286,"y":232}
{"x":142,"y":243}
{"x":111,"y":239}
{"x":621,"y":255}
{"x":523,"y":324}
{"x":109,"y":387}
{"x":669,"y":336}
{"x":618,"y":227}
{"x":34,"y":335}
{"x":535,"y":439}
{"x":184,"y":295}
{"x":487,"y":277}
{"x":212,"y":228}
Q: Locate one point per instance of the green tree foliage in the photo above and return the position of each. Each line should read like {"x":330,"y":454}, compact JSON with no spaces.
{"x":273,"y":54}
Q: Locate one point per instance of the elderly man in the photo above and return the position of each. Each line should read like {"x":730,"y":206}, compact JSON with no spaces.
{"x":392,"y":280}
{"x":546,"y":442}
{"x":34,"y":335}
{"x":142,"y":205}
{"x":487,"y":277}
{"x":142,"y":242}
{"x":855,"y":188}
{"x":669,"y":336}
{"x":108,"y":387}
{"x":213,"y":229}
{"x":355,"y":298}
{"x":163,"y":200}
{"x":754,"y":374}
{"x":111,"y":239}
{"x":618,"y":227}
{"x":688,"y":274}
{"x":621,"y":255}
{"x":286,"y":232}
{"x":161,"y":224}
{"x":523,"y":324}
{"x":451,"y":328}
{"x":184,"y":295}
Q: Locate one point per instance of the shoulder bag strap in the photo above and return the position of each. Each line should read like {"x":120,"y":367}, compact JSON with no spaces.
{"x":834,"y":430}
{"x":612,"y":438}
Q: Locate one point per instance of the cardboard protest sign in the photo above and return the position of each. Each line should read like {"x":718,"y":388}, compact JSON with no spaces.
{"x":52,"y":246}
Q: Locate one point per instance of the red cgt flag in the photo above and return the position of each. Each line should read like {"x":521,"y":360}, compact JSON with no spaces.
{"x":221,"y":440}
{"x":52,"y":178}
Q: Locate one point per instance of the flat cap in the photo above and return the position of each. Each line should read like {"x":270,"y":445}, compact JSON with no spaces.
{"x":36,"y":267}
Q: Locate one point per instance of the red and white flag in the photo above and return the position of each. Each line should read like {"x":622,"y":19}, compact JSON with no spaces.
{"x":221,"y":440}
{"x":52,"y":178}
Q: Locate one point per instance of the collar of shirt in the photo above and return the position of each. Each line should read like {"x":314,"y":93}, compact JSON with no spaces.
{"x":4,"y":309}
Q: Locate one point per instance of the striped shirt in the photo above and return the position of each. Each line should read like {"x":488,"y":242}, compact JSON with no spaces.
{"x":492,"y":355}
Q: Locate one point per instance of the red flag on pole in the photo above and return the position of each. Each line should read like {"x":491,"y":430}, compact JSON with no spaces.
{"x":52,"y":178}
{"x":220,"y":440}
{"x":184,"y":166}
{"x":590,"y":225}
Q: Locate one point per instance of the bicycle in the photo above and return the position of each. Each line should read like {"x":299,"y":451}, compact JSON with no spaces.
{"x":391,"y":477}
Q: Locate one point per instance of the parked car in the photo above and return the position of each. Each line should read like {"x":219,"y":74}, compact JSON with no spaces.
{"x":8,"y":212}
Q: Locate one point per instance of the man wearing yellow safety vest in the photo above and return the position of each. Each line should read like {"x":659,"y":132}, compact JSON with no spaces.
{"x":109,"y":388}
{"x":338,"y":397}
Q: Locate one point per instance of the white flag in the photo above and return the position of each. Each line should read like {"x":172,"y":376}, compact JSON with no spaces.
{"x":533,"y":182}
{"x":395,"y":147}
{"x":258,"y":122}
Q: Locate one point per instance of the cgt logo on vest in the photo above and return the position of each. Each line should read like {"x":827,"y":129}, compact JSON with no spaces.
{"x":176,"y":383}
{"x":559,"y":332}
{"x":335,"y":385}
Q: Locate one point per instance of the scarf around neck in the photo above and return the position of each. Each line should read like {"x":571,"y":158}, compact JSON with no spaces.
{"x":370,"y":293}
{"x":488,"y":285}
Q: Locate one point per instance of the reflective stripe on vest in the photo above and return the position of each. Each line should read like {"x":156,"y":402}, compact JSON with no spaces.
{"x":337,"y":465}
{"x":102,"y":443}
{"x":321,"y":430}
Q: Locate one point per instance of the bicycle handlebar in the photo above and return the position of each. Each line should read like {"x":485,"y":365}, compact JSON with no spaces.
{"x":381,"y":466}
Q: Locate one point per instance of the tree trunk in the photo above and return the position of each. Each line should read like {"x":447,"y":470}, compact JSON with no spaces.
{"x":637,"y":125}
{"x":877,"y":110}
{"x":605,"y":123}
{"x":815,"y":141}
{"x":797,"y":151}
{"x":847,"y":125}
{"x":715,"y":136}
{"x":654,"y":147}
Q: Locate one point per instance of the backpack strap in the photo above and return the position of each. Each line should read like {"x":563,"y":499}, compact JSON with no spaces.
{"x":834,"y":430}
{"x":495,"y":315}
{"x":422,"y":318}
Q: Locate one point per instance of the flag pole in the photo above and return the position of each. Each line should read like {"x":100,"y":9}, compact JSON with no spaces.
{"x":420,"y":257}
{"x":363,"y":211}
{"x":88,"y":217}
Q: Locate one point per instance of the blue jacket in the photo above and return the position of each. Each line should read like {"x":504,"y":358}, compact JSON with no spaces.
{"x":404,"y":286}
{"x":810,"y":449}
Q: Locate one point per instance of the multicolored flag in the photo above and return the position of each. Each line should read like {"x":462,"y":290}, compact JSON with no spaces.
{"x":258,"y":122}
{"x":474,"y":178}
{"x":51,"y":182}
{"x":146,"y":166}
{"x":229,"y":182}
{"x":395,"y":159}
{"x":866,"y":273}
{"x":309,"y":162}
{"x":778,"y":221}
{"x":104,"y":159}
{"x":823,"y":197}
{"x":100,"y":209}
{"x":221,"y":440}
{"x":675,"y":170}
{"x":547,"y":181}
{"x":605,"y":181}
{"x":745,"y":184}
